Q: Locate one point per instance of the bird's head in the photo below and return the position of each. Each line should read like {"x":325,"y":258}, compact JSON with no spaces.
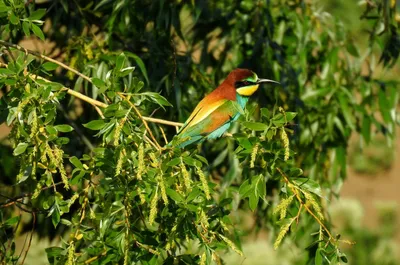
{"x":246,"y":82}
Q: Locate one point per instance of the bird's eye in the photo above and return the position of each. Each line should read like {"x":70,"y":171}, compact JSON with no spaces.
{"x":245,"y":83}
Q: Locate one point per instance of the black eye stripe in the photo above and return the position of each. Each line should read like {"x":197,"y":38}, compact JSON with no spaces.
{"x":243,"y":83}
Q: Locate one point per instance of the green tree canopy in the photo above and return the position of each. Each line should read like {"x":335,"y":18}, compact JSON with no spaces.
{"x":86,"y":157}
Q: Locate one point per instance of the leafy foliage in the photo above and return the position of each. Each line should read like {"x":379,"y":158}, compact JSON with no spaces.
{"x":102,"y":179}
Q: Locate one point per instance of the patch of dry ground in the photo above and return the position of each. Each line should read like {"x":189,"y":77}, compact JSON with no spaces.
{"x":372,"y":191}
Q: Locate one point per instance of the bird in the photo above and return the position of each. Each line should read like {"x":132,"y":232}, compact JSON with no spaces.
{"x":214,"y":114}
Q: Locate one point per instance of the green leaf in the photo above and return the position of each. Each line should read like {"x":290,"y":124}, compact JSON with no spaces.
{"x":54,"y":252}
{"x":156,"y":98}
{"x":95,"y":125}
{"x":12,"y":221}
{"x":20,"y":149}
{"x":50,"y":129}
{"x":255,"y":190}
{"x":14,"y":19}
{"x":65,"y":222}
{"x":37,"y":31}
{"x":202,"y":159}
{"x":49,"y":66}
{"x":308,"y":184}
{"x":174,"y":162}
{"x":265,"y":112}
{"x":366,"y":129}
{"x":77,"y":175}
{"x":318,"y":256}
{"x":279,"y":119}
{"x":25,"y":175}
{"x":62,"y":140}
{"x":255,"y":126}
{"x":37,"y":14}
{"x":174,"y":195}
{"x":245,"y":189}
{"x":351,"y":48}
{"x":25,"y":28}
{"x":343,"y":101}
{"x":253,"y":201}
{"x":191,"y":161}
{"x":64,"y":128}
{"x":76,"y":162}
{"x":140,"y":64}
{"x":126,"y":71}
{"x":99,"y":83}
{"x":120,"y":61}
{"x":55,"y":217}
{"x":290,"y":116}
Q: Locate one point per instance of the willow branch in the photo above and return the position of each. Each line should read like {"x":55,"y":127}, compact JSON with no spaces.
{"x":331,"y":238}
{"x":98,"y":104}
{"x":141,"y":117}
{"x":161,"y":121}
{"x":44,"y":57}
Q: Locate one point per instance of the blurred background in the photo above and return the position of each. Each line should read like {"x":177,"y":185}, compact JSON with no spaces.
{"x":367,"y":210}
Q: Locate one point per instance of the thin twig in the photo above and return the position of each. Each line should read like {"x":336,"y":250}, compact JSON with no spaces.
{"x":163,"y":134}
{"x":96,"y":103}
{"x":30,"y":239}
{"x":161,"y":121}
{"x":331,"y":238}
{"x":11,"y":201}
{"x":141,"y":117}
{"x":37,"y":54}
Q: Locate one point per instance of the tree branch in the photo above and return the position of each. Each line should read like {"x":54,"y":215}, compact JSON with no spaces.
{"x":39,"y":55}
{"x":98,"y":104}
{"x":141,"y":117}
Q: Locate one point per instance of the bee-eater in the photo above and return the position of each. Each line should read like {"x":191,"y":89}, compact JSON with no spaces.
{"x":218,"y":110}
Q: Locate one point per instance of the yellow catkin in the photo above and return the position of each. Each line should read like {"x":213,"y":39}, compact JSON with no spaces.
{"x":203,"y":259}
{"x":92,"y":214}
{"x":22,"y":105}
{"x":153,"y":208}
{"x":263,"y":163}
{"x":223,"y":225}
{"x":282,"y":233}
{"x":311,"y":200}
{"x":179,"y":189}
{"x":186,"y":177}
{"x":231,"y":245}
{"x":88,"y":51}
{"x":204,"y":182}
{"x":282,"y":207}
{"x":168,"y":246}
{"x":141,"y":164}
{"x":120,"y":161}
{"x":204,"y":220}
{"x":34,"y":126}
{"x":141,"y":195}
{"x":43,"y":157}
{"x":126,"y":247}
{"x":37,"y":191}
{"x":164,"y":196}
{"x":285,"y":142}
{"x":58,"y":155}
{"x":73,"y":199}
{"x":72,"y":64}
{"x":71,"y":254}
{"x":118,"y":130}
{"x":216,"y":258}
{"x":254,"y":155}
{"x":154,"y":160}
{"x":50,"y":155}
{"x":153,"y":251}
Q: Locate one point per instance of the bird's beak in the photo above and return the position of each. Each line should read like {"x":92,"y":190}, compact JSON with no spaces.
{"x":262,"y":80}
